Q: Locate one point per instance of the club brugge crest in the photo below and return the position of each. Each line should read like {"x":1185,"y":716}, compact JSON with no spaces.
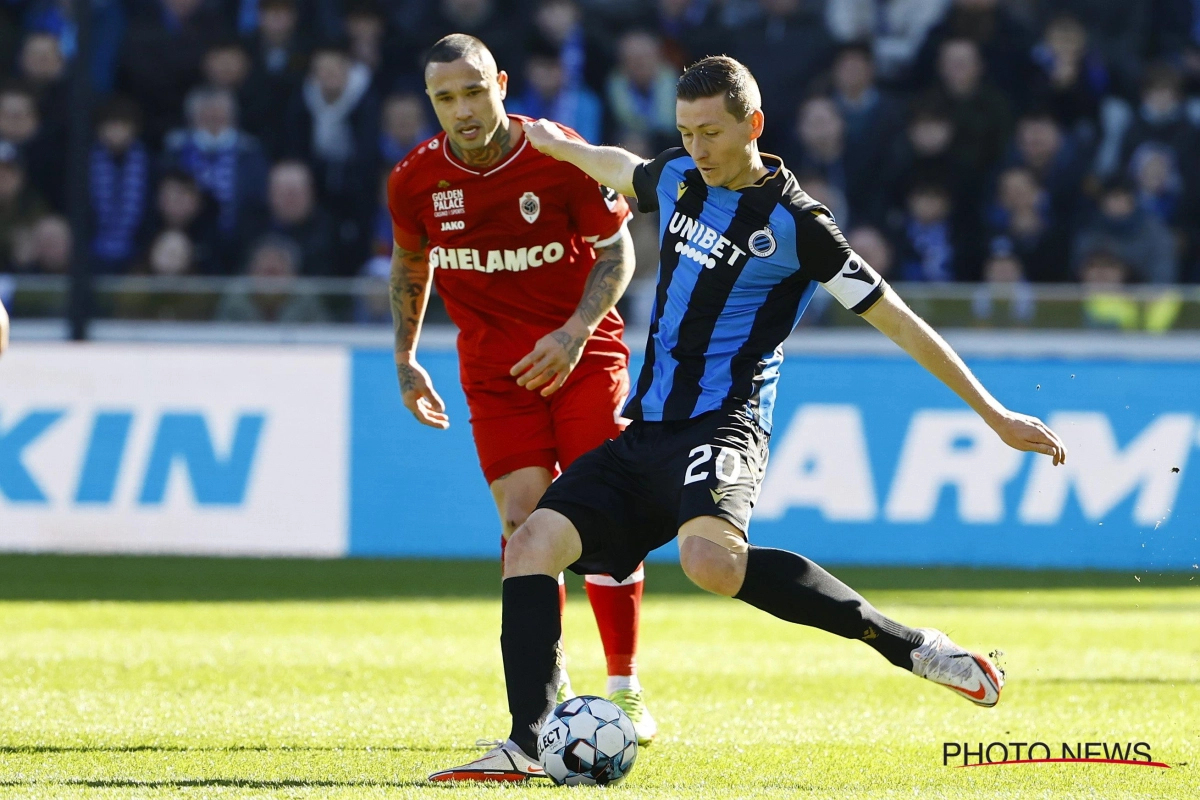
{"x":762,"y":243}
{"x":531,"y":206}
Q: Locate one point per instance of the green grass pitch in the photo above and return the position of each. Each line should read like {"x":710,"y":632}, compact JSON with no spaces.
{"x":160,"y":677}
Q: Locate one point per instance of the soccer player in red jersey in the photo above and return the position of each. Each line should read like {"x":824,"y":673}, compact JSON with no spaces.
{"x":530,"y":256}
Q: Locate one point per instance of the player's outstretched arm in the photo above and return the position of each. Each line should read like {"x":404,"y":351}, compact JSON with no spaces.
{"x":3,"y":328}
{"x":557,"y":353}
{"x":409,"y":292}
{"x":895,"y":319}
{"x":611,"y":166}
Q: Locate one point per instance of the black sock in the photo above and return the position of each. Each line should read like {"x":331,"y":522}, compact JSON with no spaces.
{"x":530,"y":631}
{"x":791,"y":587}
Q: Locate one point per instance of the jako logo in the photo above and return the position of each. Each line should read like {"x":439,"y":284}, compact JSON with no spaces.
{"x":822,"y":462}
{"x":179,"y":439}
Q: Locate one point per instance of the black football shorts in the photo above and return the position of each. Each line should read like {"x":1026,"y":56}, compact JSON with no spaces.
{"x":631,"y":494}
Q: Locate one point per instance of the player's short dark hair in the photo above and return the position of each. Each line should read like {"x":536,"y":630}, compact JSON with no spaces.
{"x":453,"y":47}
{"x":721,"y":76}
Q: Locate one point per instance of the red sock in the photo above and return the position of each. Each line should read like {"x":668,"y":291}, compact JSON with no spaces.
{"x":617,"y":607}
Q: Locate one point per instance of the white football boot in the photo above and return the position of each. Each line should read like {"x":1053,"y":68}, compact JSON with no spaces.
{"x":969,"y":674}
{"x":505,"y":763}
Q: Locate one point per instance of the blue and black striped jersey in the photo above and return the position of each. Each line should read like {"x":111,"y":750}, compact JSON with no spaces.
{"x":736,"y":271}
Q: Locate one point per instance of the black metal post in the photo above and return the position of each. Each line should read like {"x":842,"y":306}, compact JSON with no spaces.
{"x":79,"y":306}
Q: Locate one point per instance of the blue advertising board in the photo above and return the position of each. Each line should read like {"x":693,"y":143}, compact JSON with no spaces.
{"x":873,"y":462}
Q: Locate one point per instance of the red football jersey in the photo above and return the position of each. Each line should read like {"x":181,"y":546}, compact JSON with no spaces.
{"x":511,"y":246}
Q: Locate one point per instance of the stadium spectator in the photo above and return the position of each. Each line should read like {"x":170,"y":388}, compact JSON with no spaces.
{"x":1161,"y":117}
{"x":226,"y":65}
{"x":1005,"y":296}
{"x":366,"y":28}
{"x":1103,"y":274}
{"x":480,"y":18}
{"x":1134,"y":237}
{"x":786,"y":46}
{"x":547,"y":94}
{"x":1003,"y":44}
{"x":872,"y":119}
{"x":405,"y":124}
{"x":268,"y":293}
{"x":1023,"y":226}
{"x":278,"y":63}
{"x":896,"y":30}
{"x":690,"y":30}
{"x":171,"y":254}
{"x":40,"y":150}
{"x":181,"y":205}
{"x":870,"y":243}
{"x":227,"y":162}
{"x":44,"y":69}
{"x":641,"y":91}
{"x":1053,"y":157}
{"x":119,"y":180}
{"x":980,"y":112}
{"x":583,"y":50}
{"x":820,"y":149}
{"x":924,"y":154}
{"x":333,"y":124}
{"x":1117,"y":29}
{"x":45,"y":248}
{"x":294,"y":214}
{"x":927,"y":251}
{"x":20,"y":205}
{"x":825,"y":193}
{"x":160,"y":58}
{"x":1160,"y":186}
{"x":1069,"y":78}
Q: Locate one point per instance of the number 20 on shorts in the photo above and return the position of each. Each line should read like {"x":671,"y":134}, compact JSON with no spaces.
{"x":725,"y":457}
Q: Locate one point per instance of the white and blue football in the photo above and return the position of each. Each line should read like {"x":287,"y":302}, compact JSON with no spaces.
{"x":587,"y":740}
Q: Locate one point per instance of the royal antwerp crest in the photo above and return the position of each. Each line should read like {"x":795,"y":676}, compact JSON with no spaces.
{"x":531,"y":206}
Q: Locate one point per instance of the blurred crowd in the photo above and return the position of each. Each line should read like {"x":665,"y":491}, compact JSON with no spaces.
{"x":955,"y":140}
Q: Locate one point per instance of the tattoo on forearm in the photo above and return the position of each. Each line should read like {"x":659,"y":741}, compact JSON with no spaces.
{"x":490,"y":153}
{"x":607,"y":281}
{"x":408,"y":377}
{"x":571,"y":344}
{"x":408,"y":294}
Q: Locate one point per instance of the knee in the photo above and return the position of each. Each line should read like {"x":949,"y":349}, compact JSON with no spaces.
{"x":711,"y":567}
{"x":514,"y":513}
{"x":543,"y":544}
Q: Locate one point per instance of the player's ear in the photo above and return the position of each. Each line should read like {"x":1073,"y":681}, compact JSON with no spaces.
{"x":502,"y":81}
{"x":757,"y":120}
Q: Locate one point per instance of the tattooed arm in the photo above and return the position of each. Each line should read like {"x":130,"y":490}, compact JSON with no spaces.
{"x":409,"y":292}
{"x":557,"y":353}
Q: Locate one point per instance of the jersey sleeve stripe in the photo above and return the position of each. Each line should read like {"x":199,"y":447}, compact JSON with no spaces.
{"x":611,"y":240}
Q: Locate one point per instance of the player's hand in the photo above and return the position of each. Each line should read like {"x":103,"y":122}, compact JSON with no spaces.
{"x":416,"y":390}
{"x":544,"y":136}
{"x":552,"y":359}
{"x":1027,"y":433}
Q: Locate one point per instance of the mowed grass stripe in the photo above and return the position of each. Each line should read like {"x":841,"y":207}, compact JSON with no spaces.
{"x":360,"y":690}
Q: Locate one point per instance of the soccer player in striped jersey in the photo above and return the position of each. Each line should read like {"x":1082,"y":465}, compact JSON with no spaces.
{"x":743,"y":248}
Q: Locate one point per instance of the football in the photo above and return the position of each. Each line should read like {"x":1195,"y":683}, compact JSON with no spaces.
{"x":587,"y":741}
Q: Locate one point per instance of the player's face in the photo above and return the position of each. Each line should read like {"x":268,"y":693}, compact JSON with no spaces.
{"x":721,"y":146}
{"x":468,"y":99}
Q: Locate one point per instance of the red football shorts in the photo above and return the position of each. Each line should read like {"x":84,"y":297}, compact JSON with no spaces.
{"x":516,"y":428}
